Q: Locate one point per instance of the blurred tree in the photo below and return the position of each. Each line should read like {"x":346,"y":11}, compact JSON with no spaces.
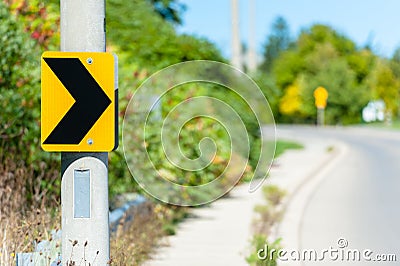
{"x":385,"y":86}
{"x":361,"y":62}
{"x":20,"y":88}
{"x":323,"y":57}
{"x":395,"y":63}
{"x":170,"y":10}
{"x":396,"y":55}
{"x":318,"y":34}
{"x":278,"y":41}
{"x":26,"y":29}
{"x":143,"y":38}
{"x":346,"y":97}
{"x":287,"y":67}
{"x":268,"y":86}
{"x":40,"y":18}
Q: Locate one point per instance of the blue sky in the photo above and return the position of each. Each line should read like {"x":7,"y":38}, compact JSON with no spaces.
{"x":374,"y":20}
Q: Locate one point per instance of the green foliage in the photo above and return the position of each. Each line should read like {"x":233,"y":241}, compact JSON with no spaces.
{"x":144,"y":39}
{"x":247,"y":116}
{"x":170,"y":10}
{"x":278,"y":41}
{"x":273,"y":194}
{"x":146,"y":43}
{"x":20,"y":89}
{"x":346,"y":97}
{"x":264,"y":252}
{"x":20,"y":104}
{"x":190,"y":136}
{"x":318,"y":34}
{"x":323,"y":57}
{"x":260,"y":245}
{"x":287,"y":67}
{"x":283,"y":145}
{"x":140,"y":33}
{"x":385,"y":85}
{"x":270,"y":90}
{"x":39,"y":18}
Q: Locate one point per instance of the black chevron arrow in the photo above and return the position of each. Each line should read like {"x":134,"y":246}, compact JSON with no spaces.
{"x":90,"y":101}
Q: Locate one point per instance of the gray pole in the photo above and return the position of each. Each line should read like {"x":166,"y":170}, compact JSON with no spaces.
{"x":252,"y":54}
{"x":320,"y":116}
{"x":236,"y":58}
{"x":84,"y":186}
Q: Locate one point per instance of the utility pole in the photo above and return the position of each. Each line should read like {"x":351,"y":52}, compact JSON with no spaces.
{"x":236,"y":58}
{"x":252,"y":54}
{"x":84,"y":194}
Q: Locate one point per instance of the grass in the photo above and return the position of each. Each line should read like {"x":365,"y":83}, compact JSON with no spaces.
{"x":284,"y":145}
{"x":23,"y":221}
{"x":395,"y":125}
{"x":135,"y":240}
{"x":26,"y":221}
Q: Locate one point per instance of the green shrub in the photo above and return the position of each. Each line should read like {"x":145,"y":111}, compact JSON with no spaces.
{"x":273,"y":194}
{"x":20,"y":103}
{"x":20,"y":88}
{"x":259,"y":242}
{"x":283,"y":145}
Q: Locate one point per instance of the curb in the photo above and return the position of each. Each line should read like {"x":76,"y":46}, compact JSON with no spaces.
{"x":298,"y":199}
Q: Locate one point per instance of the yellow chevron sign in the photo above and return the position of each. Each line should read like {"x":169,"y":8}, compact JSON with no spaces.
{"x":79,"y":101}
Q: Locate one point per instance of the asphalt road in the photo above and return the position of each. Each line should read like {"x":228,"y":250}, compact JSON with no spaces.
{"x":357,"y":201}
{"x":344,"y":185}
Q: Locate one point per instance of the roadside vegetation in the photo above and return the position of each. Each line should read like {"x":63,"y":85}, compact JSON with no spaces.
{"x":394,"y":125}
{"x":283,"y":145}
{"x":144,"y":35}
{"x":268,"y":215}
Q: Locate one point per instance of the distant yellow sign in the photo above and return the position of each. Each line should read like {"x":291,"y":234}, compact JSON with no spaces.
{"x":79,"y":102}
{"x":321,"y":96}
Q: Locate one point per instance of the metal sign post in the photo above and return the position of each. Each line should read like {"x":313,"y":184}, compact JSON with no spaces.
{"x":321,"y":97}
{"x":320,"y":116}
{"x":84,"y":192}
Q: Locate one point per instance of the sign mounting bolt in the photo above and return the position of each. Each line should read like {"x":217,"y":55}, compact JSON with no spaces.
{"x":90,"y":141}
{"x":89,"y":60}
